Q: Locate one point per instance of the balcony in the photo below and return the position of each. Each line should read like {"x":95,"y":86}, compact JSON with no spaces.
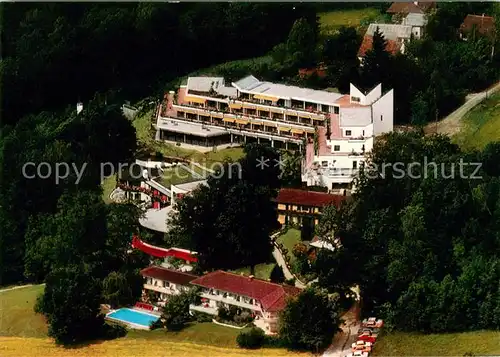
{"x":206,"y":310}
{"x":231,"y":301}
{"x":161,"y":289}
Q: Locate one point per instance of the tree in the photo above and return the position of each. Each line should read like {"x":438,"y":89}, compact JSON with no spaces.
{"x":70,"y":303}
{"x":122,"y":290}
{"x":251,"y":338}
{"x":376,"y":63}
{"x":307,"y":228}
{"x":301,"y":44}
{"x":215,"y":218}
{"x":175,"y":314}
{"x":310,"y":321}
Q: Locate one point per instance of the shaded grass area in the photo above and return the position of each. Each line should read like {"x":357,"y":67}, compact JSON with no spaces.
{"x":145,"y":137}
{"x":289,"y":239}
{"x":481,"y":125}
{"x":262,"y":271}
{"x":108,"y":185}
{"x":17,"y":317}
{"x":453,"y":344}
{"x":331,"y":21}
{"x":175,"y":176}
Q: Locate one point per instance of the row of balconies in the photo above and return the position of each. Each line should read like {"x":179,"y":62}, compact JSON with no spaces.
{"x":229,"y":299}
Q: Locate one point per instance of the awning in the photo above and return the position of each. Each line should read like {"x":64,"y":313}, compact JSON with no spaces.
{"x":297,"y":131}
{"x":195,"y":100}
{"x":235,"y":106}
{"x":270,"y":124}
{"x":229,"y":120}
{"x":239,"y":121}
{"x":284,"y":129}
{"x":314,"y":118}
{"x":265,"y":97}
{"x":217,"y":115}
{"x":249,"y":106}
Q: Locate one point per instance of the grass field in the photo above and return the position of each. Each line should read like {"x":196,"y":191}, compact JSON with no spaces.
{"x":261,"y":271}
{"x":289,"y":239}
{"x":145,"y":137}
{"x":481,"y":125}
{"x":485,"y":343}
{"x":333,"y":20}
{"x":16,"y":313}
{"x":175,"y":176}
{"x":127,"y":347}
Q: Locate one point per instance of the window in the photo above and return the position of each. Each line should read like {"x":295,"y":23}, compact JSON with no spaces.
{"x":336,"y":148}
{"x":336,"y":110}
{"x":381,"y":117}
{"x":347,"y":133}
{"x":363,"y":133}
{"x":354,"y":164}
{"x":355,"y":99}
{"x":324,"y":163}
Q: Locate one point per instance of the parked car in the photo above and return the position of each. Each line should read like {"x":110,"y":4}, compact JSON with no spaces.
{"x":372,"y":322}
{"x":357,"y":354}
{"x":368,"y":329}
{"x":363,"y":346}
{"x":368,"y":337}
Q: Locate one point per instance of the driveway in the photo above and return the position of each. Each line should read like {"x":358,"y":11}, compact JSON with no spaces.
{"x":452,"y":124}
{"x":342,"y":341}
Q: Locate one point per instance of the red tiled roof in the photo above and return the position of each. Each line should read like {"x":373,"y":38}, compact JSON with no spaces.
{"x":271,"y":296}
{"x":308,"y":198}
{"x":391,"y":46}
{"x":165,"y":274}
{"x":485,"y":24}
{"x":410,"y":7}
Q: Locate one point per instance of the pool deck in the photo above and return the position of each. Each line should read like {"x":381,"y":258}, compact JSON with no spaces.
{"x":131,"y":324}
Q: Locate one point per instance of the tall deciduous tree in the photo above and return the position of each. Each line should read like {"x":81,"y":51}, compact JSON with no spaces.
{"x":310,"y":321}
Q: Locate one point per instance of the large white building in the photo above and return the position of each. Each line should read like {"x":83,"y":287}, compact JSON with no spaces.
{"x":333,"y":160}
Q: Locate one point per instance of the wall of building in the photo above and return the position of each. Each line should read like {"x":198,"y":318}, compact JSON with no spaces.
{"x":355,"y":92}
{"x":383,"y":114}
{"x":375,"y":94}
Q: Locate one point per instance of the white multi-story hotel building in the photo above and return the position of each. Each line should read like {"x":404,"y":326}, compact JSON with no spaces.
{"x":207,"y":113}
{"x":333,"y":158}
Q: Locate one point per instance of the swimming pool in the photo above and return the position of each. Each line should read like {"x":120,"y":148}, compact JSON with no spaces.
{"x":133,"y":318}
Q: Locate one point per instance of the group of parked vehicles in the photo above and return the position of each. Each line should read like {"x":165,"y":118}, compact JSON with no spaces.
{"x":367,"y":335}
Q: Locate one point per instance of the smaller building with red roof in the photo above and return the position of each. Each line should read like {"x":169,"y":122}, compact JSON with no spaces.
{"x":477,"y":25}
{"x":262,"y":298}
{"x":294,"y":204}
{"x":162,"y":282}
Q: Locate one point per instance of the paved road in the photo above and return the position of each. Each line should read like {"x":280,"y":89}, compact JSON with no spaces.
{"x":280,"y":260}
{"x":452,"y":124}
{"x":17,"y":287}
{"x":342,"y":341}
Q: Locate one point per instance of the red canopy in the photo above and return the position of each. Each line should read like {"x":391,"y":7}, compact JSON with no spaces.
{"x":162,"y":252}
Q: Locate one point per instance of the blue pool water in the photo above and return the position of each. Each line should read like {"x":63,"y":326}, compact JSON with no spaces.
{"x":133,"y":316}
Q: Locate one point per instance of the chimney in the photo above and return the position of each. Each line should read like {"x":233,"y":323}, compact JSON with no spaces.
{"x":79,"y":107}
{"x":251,"y":277}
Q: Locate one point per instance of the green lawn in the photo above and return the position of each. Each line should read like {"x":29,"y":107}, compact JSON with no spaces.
{"x":205,"y":333}
{"x":17,"y":317}
{"x":456,"y":344}
{"x":481,"y":125}
{"x":108,"y":185}
{"x":261,"y":271}
{"x":175,"y":176}
{"x":289,"y":239}
{"x":331,"y":21}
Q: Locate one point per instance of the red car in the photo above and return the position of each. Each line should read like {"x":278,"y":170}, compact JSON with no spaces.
{"x":368,"y":337}
{"x":362,"y":346}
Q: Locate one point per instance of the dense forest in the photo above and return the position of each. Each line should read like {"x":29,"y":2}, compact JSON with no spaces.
{"x":420,"y":236}
{"x":57,"y":54}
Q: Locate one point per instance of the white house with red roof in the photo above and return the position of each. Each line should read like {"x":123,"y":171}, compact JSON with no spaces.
{"x":334,"y":160}
{"x":262,"y":298}
{"x":163,"y":282}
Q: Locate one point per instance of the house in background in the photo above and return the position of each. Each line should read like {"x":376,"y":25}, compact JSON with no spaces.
{"x":294,"y":205}
{"x":477,"y":25}
{"x":161,"y":283}
{"x":399,"y":10}
{"x":417,"y":23}
{"x":396,"y":37}
{"x":262,"y":298}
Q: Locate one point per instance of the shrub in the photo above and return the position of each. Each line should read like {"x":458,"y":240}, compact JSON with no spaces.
{"x":112,"y":331}
{"x":156,"y":325}
{"x":251,"y":338}
{"x":203,"y":317}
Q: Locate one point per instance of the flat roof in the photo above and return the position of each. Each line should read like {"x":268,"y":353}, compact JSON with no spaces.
{"x":190,"y":186}
{"x":183,"y":127}
{"x":252,"y":85}
{"x":390,"y":31}
{"x":156,"y":219}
